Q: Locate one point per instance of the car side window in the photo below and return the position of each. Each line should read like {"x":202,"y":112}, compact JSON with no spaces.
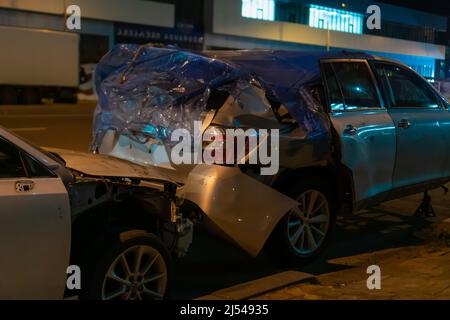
{"x":336,"y":102}
{"x":35,"y":169}
{"x":350,"y":85}
{"x":11,"y":165}
{"x":405,"y":89}
{"x":357,"y":85}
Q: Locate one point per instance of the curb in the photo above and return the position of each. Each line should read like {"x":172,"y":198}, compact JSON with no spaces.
{"x":260,"y":286}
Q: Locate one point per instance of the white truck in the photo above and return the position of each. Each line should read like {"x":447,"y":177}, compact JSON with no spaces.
{"x":37,"y":64}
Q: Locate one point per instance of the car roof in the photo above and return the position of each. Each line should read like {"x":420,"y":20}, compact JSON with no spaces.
{"x":300,"y":58}
{"x":289,"y":54}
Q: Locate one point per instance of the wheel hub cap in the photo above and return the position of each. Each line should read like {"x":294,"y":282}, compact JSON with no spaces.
{"x":309,"y":223}
{"x":140,"y":272}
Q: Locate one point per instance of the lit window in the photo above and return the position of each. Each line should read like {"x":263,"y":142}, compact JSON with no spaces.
{"x":334,"y":19}
{"x":259,"y":9}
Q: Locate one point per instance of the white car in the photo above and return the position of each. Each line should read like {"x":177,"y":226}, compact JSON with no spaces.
{"x":114,"y":220}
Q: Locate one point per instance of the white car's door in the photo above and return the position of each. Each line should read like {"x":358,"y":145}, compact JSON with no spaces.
{"x":34,"y":228}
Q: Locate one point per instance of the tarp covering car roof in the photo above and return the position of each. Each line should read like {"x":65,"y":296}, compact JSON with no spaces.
{"x":153,"y":90}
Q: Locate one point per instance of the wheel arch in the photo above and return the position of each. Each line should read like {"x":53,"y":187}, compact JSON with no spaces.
{"x":328,"y":179}
{"x":114,"y":217}
{"x":338,"y":176}
{"x":290,"y":177}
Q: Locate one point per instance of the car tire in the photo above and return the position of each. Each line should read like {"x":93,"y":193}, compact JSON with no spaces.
{"x":300,"y":238}
{"x":110,"y":269}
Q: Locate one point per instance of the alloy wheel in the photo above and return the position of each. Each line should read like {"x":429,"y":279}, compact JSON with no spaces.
{"x":138,"y":273}
{"x":308,"y":224}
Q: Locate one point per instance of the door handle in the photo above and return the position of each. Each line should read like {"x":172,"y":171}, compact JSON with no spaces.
{"x":351,"y":130}
{"x":404,"y":123}
{"x":22,"y":186}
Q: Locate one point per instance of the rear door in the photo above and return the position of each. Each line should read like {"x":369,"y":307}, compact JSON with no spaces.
{"x":365,"y":129}
{"x":34,"y":228}
{"x":421,"y":123}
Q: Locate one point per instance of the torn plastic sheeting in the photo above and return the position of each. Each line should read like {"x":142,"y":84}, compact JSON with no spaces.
{"x":155,"y":90}
{"x":285,"y":75}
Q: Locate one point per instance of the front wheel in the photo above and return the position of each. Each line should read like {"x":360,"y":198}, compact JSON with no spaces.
{"x":135,"y":268}
{"x":304,"y":232}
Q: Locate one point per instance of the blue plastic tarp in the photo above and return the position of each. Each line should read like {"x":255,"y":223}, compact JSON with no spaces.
{"x":158,"y":89}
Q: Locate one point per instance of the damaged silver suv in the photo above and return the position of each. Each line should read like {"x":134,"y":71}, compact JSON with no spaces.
{"x":354,"y":130}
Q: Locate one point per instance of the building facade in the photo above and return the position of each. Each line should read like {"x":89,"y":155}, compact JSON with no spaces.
{"x":105,"y":23}
{"x":410,"y":36}
{"x":416,"y":38}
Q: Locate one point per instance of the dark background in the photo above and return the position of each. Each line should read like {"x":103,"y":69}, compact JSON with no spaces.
{"x":441,"y":7}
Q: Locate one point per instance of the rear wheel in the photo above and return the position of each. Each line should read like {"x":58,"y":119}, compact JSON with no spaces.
{"x":138,"y":268}
{"x":304,"y":232}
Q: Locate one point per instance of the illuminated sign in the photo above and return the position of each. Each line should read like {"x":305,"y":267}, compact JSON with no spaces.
{"x":259,"y":9}
{"x":134,"y":33}
{"x":334,"y":19}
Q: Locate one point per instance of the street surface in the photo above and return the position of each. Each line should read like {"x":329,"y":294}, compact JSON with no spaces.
{"x":213,"y":264}
{"x":406,"y":273}
{"x":59,"y":126}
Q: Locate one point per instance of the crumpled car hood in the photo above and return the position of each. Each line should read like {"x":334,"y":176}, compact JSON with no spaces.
{"x":98,"y":165}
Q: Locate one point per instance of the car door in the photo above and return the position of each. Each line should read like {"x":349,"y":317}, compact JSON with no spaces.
{"x":364,"y":127}
{"x":420,"y":120}
{"x":445,"y":125}
{"x":34,"y":227}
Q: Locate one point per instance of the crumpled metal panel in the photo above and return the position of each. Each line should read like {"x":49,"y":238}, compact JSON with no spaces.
{"x":228,"y":197}
{"x":99,"y":165}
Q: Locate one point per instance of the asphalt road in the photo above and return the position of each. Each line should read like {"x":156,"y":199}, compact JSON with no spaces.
{"x":213,"y":264}
{"x":58,"y":126}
